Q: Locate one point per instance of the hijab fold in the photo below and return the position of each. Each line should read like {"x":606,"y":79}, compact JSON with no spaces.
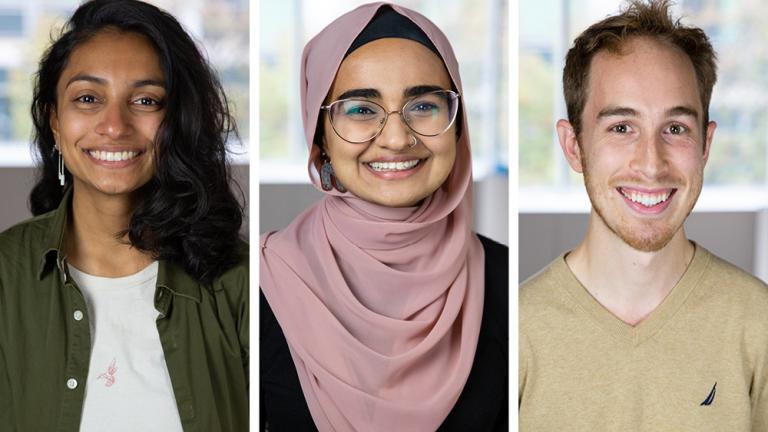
{"x":381,"y":307}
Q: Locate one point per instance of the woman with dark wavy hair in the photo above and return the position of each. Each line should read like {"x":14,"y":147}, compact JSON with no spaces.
{"x":124,"y":302}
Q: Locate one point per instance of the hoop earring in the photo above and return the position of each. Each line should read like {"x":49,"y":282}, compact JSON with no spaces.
{"x":328,"y":180}
{"x":62,"y":177}
{"x":415,"y":141}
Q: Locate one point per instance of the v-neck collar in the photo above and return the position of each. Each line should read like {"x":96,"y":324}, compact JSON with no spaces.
{"x":653,"y":323}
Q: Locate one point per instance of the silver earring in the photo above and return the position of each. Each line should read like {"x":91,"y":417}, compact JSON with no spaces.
{"x":414,"y":142}
{"x":62,"y":177}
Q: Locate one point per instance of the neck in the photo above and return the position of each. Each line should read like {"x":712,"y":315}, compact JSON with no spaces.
{"x":629,"y":283}
{"x":94,"y":243}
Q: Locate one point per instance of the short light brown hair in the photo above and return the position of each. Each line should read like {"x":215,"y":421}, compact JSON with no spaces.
{"x":639,"y":18}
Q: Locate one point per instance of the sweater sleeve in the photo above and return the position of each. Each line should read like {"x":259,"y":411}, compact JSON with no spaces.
{"x":759,"y":388}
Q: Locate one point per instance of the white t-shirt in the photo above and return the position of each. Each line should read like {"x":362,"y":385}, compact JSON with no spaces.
{"x":128,"y":386}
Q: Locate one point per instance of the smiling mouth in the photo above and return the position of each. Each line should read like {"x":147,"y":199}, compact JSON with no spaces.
{"x":647,"y":199}
{"x":393,"y":166}
{"x":118,"y":156}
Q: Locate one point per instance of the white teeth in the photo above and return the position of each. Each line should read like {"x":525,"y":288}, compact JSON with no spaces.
{"x":112,"y":156}
{"x":648,"y":200}
{"x":393,"y":166}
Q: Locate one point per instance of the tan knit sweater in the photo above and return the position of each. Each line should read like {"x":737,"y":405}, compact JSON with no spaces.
{"x":699,"y":362}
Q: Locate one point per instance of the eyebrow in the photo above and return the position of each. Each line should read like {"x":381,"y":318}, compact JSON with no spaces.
{"x":368,"y":93}
{"x":683,"y":111}
{"x":371,"y":93}
{"x":617,"y":111}
{"x":420,"y":90}
{"x":102,"y":81}
{"x":630,"y":112}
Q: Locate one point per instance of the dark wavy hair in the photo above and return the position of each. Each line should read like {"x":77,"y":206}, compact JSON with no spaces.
{"x":188,"y":214}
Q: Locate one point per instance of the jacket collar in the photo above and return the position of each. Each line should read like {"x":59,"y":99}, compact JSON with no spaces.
{"x":54,"y":239}
{"x":176,"y":280}
{"x":169,"y":275}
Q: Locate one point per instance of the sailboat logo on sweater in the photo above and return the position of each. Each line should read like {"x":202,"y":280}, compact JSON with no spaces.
{"x":711,"y":398}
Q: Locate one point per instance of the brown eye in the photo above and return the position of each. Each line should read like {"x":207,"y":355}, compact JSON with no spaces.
{"x":86,"y":99}
{"x":677,"y":129}
{"x":620,"y":128}
{"x":146,"y":101}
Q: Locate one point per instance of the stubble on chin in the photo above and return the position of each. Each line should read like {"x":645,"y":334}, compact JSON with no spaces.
{"x":644,"y":236}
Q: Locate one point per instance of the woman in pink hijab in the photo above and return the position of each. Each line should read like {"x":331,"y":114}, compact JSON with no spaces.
{"x":381,"y":309}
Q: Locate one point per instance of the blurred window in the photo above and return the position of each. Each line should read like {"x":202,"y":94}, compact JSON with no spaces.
{"x":736,"y":175}
{"x":220,"y":27}
{"x":11,"y":23}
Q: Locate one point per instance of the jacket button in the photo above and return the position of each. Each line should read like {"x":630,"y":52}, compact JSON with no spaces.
{"x":78,"y":315}
{"x":71,"y":383}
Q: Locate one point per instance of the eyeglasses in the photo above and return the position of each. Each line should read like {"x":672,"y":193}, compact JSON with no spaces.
{"x":361,"y":120}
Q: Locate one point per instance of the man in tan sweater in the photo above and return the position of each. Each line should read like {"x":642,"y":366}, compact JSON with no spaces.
{"x":638,"y":328}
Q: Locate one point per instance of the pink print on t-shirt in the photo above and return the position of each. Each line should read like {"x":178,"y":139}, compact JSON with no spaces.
{"x":109,"y":375}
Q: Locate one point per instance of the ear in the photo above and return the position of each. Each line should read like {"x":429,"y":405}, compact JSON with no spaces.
{"x":570,"y":145}
{"x":711,"y":126}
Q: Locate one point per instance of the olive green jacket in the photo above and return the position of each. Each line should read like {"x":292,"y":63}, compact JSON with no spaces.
{"x":45,"y":347}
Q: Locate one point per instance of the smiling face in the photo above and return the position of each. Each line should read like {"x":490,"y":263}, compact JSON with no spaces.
{"x":387,"y":170}
{"x":642,"y":148}
{"x":110,"y":103}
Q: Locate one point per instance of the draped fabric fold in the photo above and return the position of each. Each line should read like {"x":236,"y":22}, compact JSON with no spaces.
{"x":381,"y":307}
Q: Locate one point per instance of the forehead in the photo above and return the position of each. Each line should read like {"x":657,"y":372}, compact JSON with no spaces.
{"x":647,"y":73}
{"x":390,"y":65}
{"x":114,"y":55}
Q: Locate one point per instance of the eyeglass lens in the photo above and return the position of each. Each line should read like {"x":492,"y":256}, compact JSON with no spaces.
{"x":360,"y":120}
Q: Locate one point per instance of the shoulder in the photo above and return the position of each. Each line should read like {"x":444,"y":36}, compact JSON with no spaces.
{"x":720,"y":271}
{"x":28,"y":234}
{"x":496,"y":302}
{"x":496,"y":268}
{"x":22,"y":245}
{"x":494,"y":251}
{"x":736,"y":300}
{"x":542,"y":287}
{"x":234,"y":282}
{"x":733,"y":286}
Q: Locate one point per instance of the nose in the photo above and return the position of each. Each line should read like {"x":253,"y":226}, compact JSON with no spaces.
{"x":115,"y":121}
{"x":396,"y":135}
{"x":650,"y":157}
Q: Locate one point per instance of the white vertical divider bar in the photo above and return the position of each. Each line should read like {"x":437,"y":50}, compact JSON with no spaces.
{"x":761,"y":244}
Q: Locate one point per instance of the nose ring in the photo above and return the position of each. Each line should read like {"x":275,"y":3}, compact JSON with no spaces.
{"x":413,"y":144}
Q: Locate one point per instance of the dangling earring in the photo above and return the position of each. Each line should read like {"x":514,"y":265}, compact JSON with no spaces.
{"x":62,"y":177}
{"x":327,"y":179}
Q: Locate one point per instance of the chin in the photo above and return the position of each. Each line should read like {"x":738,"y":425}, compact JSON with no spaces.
{"x":651,"y":242}
{"x":393,"y":201}
{"x":118,"y":188}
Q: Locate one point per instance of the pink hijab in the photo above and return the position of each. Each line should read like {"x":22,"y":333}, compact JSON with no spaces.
{"x":381,"y":307}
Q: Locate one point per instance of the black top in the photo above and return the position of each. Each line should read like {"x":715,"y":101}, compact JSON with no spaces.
{"x":482,"y":405}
